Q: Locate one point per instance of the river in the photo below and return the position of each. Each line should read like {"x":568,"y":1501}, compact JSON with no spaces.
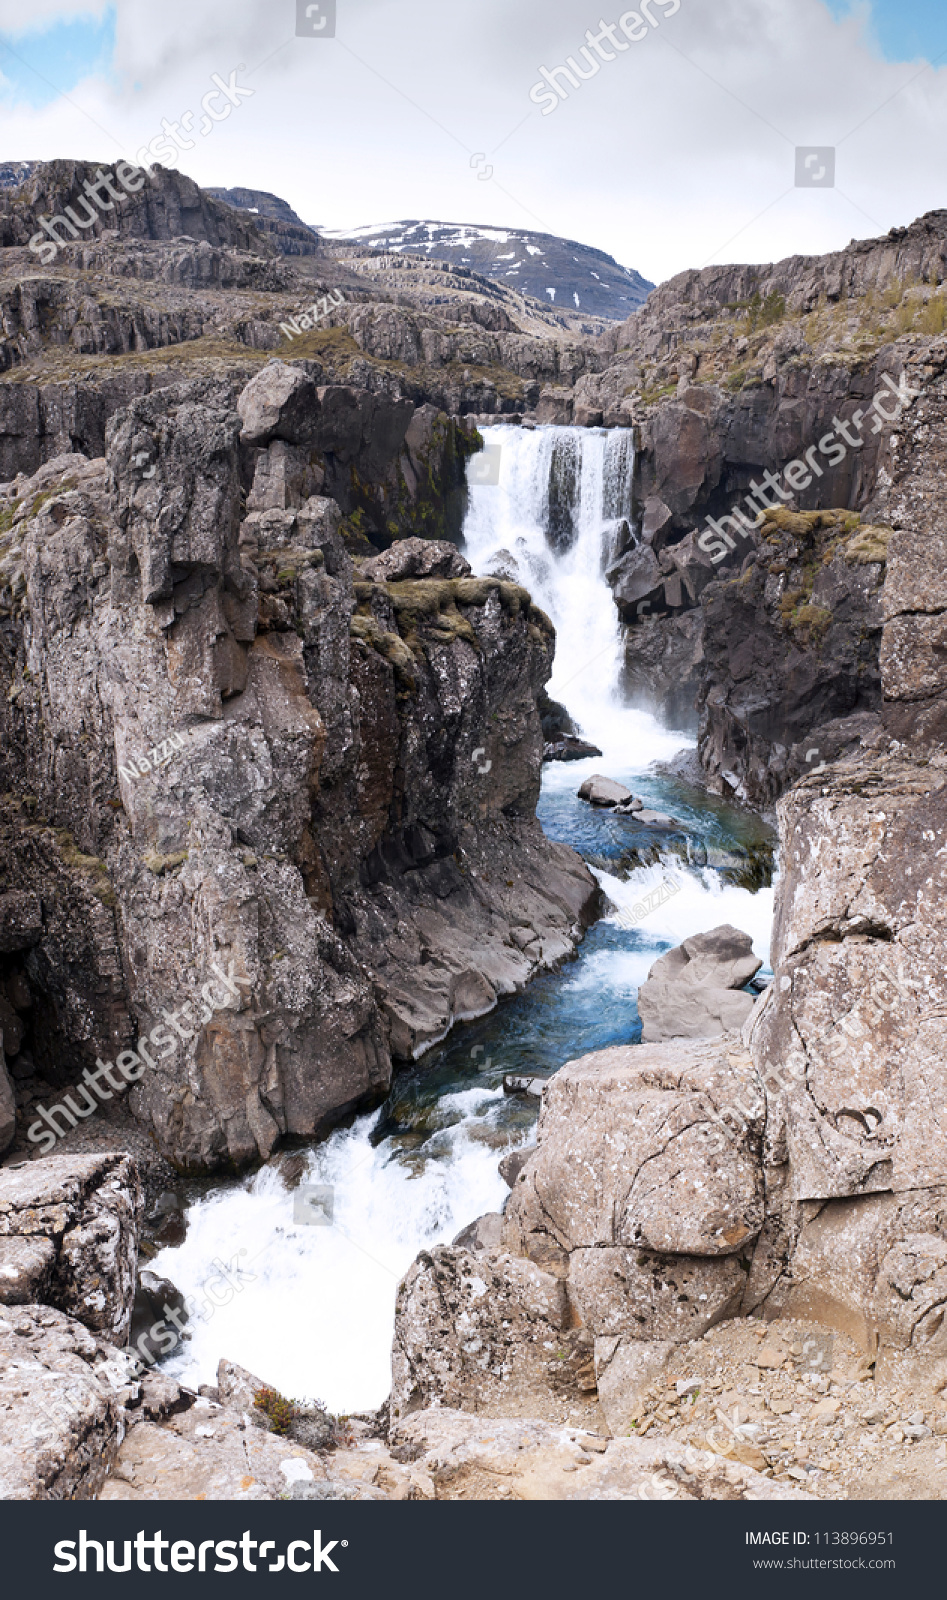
{"x":311,"y":1307}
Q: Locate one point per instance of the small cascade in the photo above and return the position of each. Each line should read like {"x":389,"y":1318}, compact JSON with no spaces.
{"x":553,"y":523}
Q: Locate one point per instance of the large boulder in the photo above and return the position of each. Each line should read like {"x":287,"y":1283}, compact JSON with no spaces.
{"x":279,"y":403}
{"x":637,"y":582}
{"x":69,"y":1238}
{"x":599,"y":791}
{"x":696,"y":990}
{"x":723,"y":958}
{"x":627,"y":1157}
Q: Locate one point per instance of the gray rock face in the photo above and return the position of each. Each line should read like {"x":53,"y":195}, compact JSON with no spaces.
{"x":416,"y":558}
{"x":166,"y":206}
{"x":694,"y":991}
{"x":466,"y":1324}
{"x":790,"y":673}
{"x":61,"y":1420}
{"x":662,"y":666}
{"x":352,"y":775}
{"x":849,"y":1028}
{"x":69,"y":1238}
{"x":636,"y":1123}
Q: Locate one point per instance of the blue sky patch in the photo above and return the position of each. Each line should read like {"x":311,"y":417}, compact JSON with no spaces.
{"x":904,"y":30}
{"x":39,"y":63}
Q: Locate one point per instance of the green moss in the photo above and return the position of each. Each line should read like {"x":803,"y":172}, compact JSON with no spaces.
{"x":650,"y":397}
{"x":389,"y":645}
{"x":802,"y":524}
{"x":811,"y":624}
{"x":869,"y":545}
{"x":51,"y":494}
{"x":159,"y":864}
{"x":788,"y":603}
{"x":279,"y":1412}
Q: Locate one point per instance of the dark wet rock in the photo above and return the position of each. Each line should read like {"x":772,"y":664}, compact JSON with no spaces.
{"x":570,"y":749}
{"x":532,"y":1088}
{"x":159,"y":1310}
{"x":512,"y":1165}
{"x":555,"y":718}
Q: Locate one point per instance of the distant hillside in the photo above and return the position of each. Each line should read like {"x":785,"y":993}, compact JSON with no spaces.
{"x":559,"y":272}
{"x":13,"y":173}
{"x":274,"y":217}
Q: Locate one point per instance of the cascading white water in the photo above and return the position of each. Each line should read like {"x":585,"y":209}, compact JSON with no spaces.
{"x":311,"y":1309}
{"x":549,"y":524}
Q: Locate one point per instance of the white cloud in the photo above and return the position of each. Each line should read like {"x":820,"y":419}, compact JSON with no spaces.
{"x":677,"y":153}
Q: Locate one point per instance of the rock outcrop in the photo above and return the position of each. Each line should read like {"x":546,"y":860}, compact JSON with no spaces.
{"x":60,"y":1419}
{"x":304,"y":799}
{"x":69,"y":1239}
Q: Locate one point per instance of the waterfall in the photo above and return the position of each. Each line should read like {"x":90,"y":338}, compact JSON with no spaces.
{"x":313,"y":1307}
{"x":551,"y":524}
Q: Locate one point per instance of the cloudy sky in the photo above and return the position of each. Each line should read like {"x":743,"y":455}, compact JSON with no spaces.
{"x":678,"y":152}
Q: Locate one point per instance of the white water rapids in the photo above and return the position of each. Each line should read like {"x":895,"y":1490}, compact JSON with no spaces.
{"x":311,"y":1308}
